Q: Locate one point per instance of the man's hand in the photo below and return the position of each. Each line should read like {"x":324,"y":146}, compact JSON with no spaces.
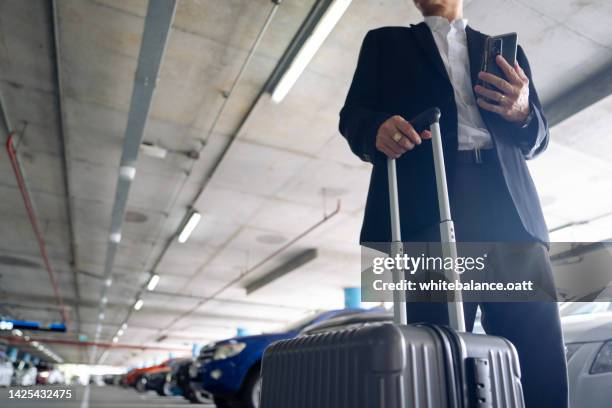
{"x":512,"y":97}
{"x":396,"y":136}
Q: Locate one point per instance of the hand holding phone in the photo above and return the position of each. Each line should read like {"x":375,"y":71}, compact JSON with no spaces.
{"x":503,"y":86}
{"x":504,"y":45}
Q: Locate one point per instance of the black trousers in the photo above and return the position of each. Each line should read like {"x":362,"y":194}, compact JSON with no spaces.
{"x":483,"y":212}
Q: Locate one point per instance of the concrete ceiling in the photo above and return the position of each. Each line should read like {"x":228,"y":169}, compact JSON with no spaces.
{"x":284,"y":170}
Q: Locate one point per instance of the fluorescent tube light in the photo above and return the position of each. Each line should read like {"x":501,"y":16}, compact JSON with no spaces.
{"x":310,"y":47}
{"x":189,"y":226}
{"x":138,"y":304}
{"x":153,"y":282}
{"x":292,"y":264}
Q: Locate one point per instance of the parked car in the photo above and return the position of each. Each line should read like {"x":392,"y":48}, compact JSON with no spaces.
{"x":6,"y":370}
{"x":162,"y":380}
{"x":134,"y":378}
{"x":229,"y":369}
{"x":112,"y":379}
{"x":47,"y":374}
{"x":24,"y":373}
{"x":183,"y":378}
{"x":587,"y":330}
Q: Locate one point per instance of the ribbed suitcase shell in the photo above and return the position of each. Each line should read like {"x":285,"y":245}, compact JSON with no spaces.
{"x":390,"y":366}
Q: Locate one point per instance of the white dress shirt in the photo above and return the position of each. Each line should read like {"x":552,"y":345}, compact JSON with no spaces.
{"x":451,"y":41}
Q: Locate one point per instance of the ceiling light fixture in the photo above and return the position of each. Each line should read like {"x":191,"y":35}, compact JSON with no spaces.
{"x":127,"y":172}
{"x":193,"y":219}
{"x":315,"y":29}
{"x":153,"y":150}
{"x":124,"y":326}
{"x":153,"y":282}
{"x":138,"y":304}
{"x":115,"y":237}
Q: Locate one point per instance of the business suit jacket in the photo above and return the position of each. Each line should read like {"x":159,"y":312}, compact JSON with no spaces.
{"x":400,"y":72}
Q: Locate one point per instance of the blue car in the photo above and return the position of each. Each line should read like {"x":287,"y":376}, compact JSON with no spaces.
{"x":229,"y":369}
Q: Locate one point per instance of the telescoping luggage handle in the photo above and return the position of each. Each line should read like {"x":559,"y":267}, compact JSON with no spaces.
{"x":429,"y":118}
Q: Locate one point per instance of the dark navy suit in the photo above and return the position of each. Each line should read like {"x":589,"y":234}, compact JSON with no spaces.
{"x":400,"y":72}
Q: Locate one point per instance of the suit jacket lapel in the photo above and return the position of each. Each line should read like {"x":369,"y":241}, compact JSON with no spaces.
{"x":427,"y":43}
{"x":476,"y":42}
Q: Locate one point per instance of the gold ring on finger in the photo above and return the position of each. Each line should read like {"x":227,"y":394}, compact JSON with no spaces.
{"x":397,"y":136}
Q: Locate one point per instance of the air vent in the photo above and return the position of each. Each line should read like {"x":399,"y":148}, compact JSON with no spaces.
{"x":135,"y":217}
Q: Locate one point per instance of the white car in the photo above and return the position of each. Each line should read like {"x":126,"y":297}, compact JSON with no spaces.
{"x":25,"y":374}
{"x":6,"y":372}
{"x":587,"y":330}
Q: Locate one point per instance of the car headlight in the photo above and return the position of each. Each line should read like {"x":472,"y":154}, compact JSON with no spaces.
{"x":603,"y":360}
{"x":228,"y":350}
{"x":571,"y":349}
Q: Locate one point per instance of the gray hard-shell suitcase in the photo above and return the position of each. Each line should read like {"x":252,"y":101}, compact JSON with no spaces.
{"x":397,"y":365}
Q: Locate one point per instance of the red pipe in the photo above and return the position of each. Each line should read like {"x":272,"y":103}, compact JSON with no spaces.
{"x":19,"y":340}
{"x":12,"y":153}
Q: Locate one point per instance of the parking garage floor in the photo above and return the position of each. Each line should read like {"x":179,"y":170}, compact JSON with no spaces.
{"x":99,"y":397}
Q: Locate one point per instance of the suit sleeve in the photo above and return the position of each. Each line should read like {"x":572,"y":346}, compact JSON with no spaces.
{"x":534,"y":138}
{"x":359,"y":118}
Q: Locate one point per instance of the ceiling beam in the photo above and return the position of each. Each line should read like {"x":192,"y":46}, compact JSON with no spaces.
{"x":64,"y":154}
{"x":586,"y":93}
{"x":157,"y":28}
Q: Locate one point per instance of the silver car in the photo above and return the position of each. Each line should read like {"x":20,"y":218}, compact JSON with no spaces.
{"x":587,"y":329}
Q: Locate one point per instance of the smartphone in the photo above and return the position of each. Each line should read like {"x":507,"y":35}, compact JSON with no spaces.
{"x":504,"y":45}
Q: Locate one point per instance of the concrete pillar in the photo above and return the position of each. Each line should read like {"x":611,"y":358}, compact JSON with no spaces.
{"x":352,"y":297}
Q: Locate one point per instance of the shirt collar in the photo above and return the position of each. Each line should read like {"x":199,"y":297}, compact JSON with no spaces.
{"x":441,"y":24}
